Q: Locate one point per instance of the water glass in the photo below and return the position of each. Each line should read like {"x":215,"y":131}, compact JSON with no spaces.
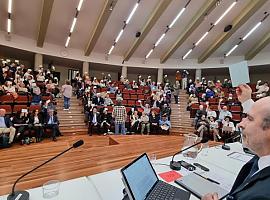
{"x":51,"y":189}
{"x":153,"y":158}
{"x":205,"y":148}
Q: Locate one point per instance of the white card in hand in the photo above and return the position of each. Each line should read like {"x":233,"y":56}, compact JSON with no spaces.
{"x":239,"y":73}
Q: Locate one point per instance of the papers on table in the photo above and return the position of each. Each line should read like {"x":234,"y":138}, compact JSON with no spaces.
{"x":239,"y":73}
{"x":240,"y":156}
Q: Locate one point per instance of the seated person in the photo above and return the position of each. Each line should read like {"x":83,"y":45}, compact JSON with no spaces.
{"x":36,"y":124}
{"x":20,"y":121}
{"x":51,"y":122}
{"x":192,"y":100}
{"x":154,"y":121}
{"x":165,"y":110}
{"x":106,"y":121}
{"x":213,"y":128}
{"x":36,"y":100}
{"x":164,"y":124}
{"x":107,"y":100}
{"x":94,"y":121}
{"x":98,"y":100}
{"x":6,"y":126}
{"x":202,"y":126}
{"x":199,"y":114}
{"x":135,"y":120}
{"x":210,"y":112}
{"x":223,"y":112}
{"x":261,"y":89}
{"x":228,"y":127}
{"x":146,"y":108}
{"x":145,"y":123}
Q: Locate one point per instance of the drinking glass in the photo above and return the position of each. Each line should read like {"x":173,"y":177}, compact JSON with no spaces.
{"x":51,"y":189}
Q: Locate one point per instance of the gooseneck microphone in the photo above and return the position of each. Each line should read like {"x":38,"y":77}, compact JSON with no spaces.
{"x":226,"y":147}
{"x":24,"y":195}
{"x":174,"y":165}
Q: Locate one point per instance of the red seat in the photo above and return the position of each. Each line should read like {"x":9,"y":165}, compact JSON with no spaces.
{"x":46,"y":98}
{"x":124,"y":102}
{"x":18,"y":108}
{"x":128,"y":109}
{"x":131,"y":102}
{"x":133,"y":96}
{"x":34,"y":107}
{"x":6,"y":99}
{"x":7,"y":108}
{"x":126,"y":96}
{"x":21,"y":100}
{"x":212,"y":101}
{"x":236,"y":109}
{"x":157,"y":110}
{"x":141,"y":96}
{"x":125,"y":91}
{"x":236,"y":117}
{"x":139,"y":91}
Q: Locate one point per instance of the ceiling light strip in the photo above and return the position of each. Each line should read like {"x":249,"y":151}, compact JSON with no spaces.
{"x":247,"y":35}
{"x":74,"y":22}
{"x":168,"y":27}
{"x":124,"y":26}
{"x":9,"y":16}
{"x":212,"y":26}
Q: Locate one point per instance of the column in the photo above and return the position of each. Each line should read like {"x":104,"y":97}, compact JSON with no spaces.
{"x":85,"y":68}
{"x":38,"y":61}
{"x":160,"y":75}
{"x":124,"y":72}
{"x":198,"y":74}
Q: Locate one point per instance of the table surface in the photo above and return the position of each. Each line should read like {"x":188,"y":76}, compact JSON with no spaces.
{"x":108,"y":185}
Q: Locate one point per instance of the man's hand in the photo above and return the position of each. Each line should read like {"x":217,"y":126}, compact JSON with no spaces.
{"x":210,"y":196}
{"x":243,"y":93}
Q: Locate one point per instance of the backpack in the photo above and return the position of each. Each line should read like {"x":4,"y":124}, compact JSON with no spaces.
{"x":4,"y":141}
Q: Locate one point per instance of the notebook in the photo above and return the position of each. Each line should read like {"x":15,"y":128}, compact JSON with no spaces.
{"x":142,"y":183}
{"x":199,"y":186}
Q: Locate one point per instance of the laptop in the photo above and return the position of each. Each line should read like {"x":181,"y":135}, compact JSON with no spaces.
{"x":142,"y":183}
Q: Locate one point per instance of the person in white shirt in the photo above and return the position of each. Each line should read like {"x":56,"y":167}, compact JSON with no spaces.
{"x":253,"y":179}
{"x":227,"y":127}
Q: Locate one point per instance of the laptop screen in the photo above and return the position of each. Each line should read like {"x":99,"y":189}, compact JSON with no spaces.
{"x":140,"y":177}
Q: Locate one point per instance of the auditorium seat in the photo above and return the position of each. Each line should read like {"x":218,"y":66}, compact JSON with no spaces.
{"x":8,"y":108}
{"x":34,"y":107}
{"x":6,"y":99}
{"x":21,"y":99}
{"x":17,"y":108}
{"x":133,"y":96}
{"x":131,"y":102}
{"x":236,"y":109}
{"x":236,"y":117}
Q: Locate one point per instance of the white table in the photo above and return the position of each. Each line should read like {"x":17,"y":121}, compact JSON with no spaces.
{"x":109,"y":186}
{"x":222,"y":168}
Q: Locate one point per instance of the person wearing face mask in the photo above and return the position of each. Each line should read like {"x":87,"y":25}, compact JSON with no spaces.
{"x":253,"y":180}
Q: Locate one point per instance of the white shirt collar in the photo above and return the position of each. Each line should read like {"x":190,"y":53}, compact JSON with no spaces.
{"x":264,"y":162}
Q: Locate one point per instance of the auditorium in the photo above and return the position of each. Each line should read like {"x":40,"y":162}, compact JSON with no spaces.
{"x":134,"y":99}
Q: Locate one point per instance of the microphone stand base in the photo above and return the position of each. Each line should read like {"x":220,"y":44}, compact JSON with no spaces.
{"x":22,"y":195}
{"x":226,"y":147}
{"x":175,"y":165}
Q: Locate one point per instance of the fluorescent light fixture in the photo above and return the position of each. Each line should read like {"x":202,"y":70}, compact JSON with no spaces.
{"x":149,"y":53}
{"x":223,"y":15}
{"x":184,"y":57}
{"x":67,"y":42}
{"x":176,"y":18}
{"x":227,"y":54}
{"x":159,"y":40}
{"x":73,"y":24}
{"x":9,"y":6}
{"x":132,"y":13}
{"x":80,"y":5}
{"x":204,"y":35}
{"x":119,"y":35}
{"x":111,"y":49}
{"x":9,"y":25}
{"x":252,"y":30}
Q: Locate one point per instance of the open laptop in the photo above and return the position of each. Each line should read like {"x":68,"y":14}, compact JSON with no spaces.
{"x":142,"y":183}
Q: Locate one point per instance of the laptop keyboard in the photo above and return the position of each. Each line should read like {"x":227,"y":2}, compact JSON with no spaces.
{"x":162,"y":191}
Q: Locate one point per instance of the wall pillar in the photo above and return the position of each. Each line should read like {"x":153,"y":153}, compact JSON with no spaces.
{"x":160,"y":75}
{"x":85,"y":68}
{"x":198,"y":74}
{"x":124,"y":71}
{"x":38,"y":61}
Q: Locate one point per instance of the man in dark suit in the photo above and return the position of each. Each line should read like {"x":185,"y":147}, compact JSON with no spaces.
{"x":253,"y":179}
{"x":94,"y":121}
{"x":98,"y":100}
{"x":52,"y":122}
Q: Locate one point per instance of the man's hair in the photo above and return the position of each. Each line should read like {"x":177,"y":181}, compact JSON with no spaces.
{"x":266,"y":122}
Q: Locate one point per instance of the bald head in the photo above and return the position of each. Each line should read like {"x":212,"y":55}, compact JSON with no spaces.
{"x":2,"y":112}
{"x":260,"y":108}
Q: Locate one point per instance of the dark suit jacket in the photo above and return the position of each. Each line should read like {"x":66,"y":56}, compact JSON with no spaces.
{"x":55,"y":119}
{"x":98,"y":101}
{"x":257,"y":187}
{"x":91,"y":117}
{"x":8,"y":122}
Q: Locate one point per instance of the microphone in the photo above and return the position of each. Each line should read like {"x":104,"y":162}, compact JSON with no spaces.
{"x":174,"y":165}
{"x":24,"y":195}
{"x":226,"y":147}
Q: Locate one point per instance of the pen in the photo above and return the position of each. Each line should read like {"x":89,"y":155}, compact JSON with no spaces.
{"x":209,"y":179}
